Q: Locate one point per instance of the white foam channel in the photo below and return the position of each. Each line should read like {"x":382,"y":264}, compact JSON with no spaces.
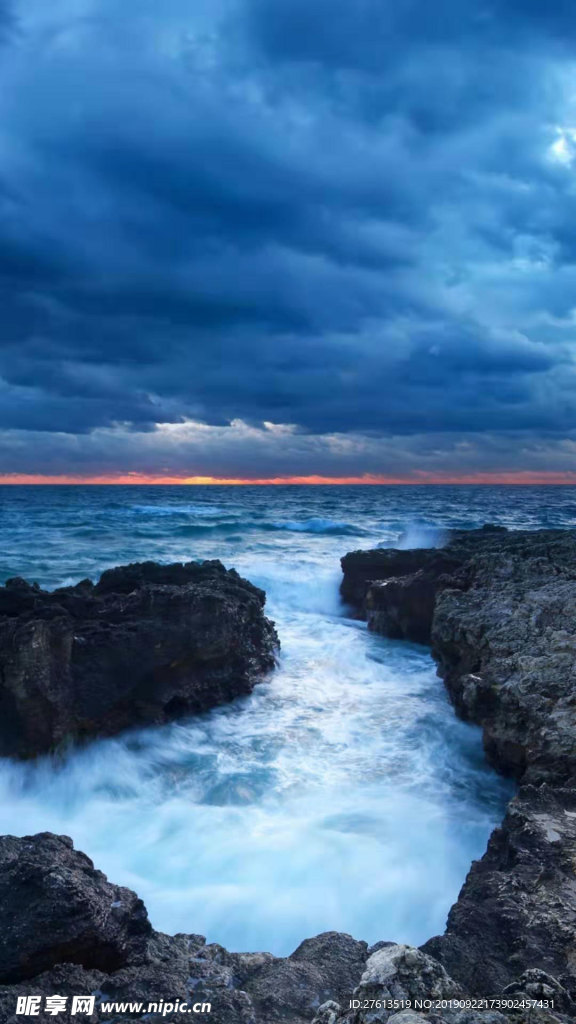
{"x":343,"y":794}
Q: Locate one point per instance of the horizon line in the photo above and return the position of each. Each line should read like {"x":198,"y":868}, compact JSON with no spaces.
{"x":520,"y":478}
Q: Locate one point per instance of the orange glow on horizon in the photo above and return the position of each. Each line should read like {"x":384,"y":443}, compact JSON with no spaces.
{"x":521,"y":477}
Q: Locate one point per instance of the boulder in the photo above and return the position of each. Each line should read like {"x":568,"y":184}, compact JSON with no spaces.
{"x":535,"y":984}
{"x":395,"y":975}
{"x":145,"y":644}
{"x":67,"y":930}
{"x":325,"y":968}
{"x":56,"y":908}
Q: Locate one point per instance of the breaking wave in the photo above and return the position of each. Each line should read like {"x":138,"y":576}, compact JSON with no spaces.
{"x":343,"y":794}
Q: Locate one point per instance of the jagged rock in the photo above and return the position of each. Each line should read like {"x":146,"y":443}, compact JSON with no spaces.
{"x":504,"y":638}
{"x":536,"y":984}
{"x":403,"y":972}
{"x":145,"y":644}
{"x":66,"y":930}
{"x":324,"y":968}
{"x":517,"y":909}
{"x":328,"y":1013}
{"x":361,"y":568}
{"x":283,"y":988}
{"x":503,"y":632}
{"x":403,"y":608}
{"x":398,"y":973}
{"x":64,"y":980}
{"x":56,"y":908}
{"x":505,"y":644}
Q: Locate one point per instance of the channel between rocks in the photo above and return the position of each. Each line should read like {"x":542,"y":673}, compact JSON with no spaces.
{"x":498,"y":610}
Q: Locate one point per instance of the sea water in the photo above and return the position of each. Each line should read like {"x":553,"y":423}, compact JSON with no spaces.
{"x":344,"y":793}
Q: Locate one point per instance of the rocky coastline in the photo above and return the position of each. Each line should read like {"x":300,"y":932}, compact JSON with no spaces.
{"x":145,"y":644}
{"x":499,"y":611}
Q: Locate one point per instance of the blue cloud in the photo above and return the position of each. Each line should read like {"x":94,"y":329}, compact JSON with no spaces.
{"x":351,"y":218}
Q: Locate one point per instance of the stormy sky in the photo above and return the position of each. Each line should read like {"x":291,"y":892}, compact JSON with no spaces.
{"x":282,"y":238}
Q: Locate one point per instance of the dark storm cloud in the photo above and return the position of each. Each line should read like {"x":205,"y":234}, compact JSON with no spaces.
{"x":353,"y":218}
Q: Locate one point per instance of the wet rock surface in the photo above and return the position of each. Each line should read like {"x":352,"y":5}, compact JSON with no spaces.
{"x":517,"y":909}
{"x":145,"y":644}
{"x":56,"y":908}
{"x":498,"y":609}
{"x":504,"y":637}
{"x":501,"y":622}
{"x":69,"y":932}
{"x":395,"y":590}
{"x":402,"y":608}
{"x":361,"y":568}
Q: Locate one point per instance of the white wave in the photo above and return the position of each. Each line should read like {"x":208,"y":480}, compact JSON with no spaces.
{"x":420,"y":536}
{"x":342,"y":795}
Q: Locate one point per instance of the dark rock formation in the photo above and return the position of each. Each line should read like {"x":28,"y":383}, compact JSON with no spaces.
{"x":502,"y":626}
{"x":326,"y":967}
{"x":499,"y":610}
{"x":402,"y":607}
{"x":145,"y":644}
{"x":56,"y":908}
{"x":361,"y":568}
{"x":395,"y":590}
{"x":517,"y":909}
{"x":504,"y":637}
{"x":67,"y":931}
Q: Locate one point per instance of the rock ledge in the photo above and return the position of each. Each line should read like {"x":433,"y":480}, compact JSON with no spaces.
{"x":145,"y":644}
{"x":499,"y":611}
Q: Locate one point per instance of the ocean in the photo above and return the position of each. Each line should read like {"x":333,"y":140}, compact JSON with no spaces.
{"x":343,"y":793}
